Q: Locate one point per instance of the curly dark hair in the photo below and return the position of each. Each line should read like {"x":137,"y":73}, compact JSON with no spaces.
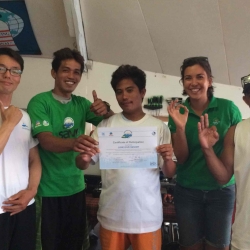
{"x":65,"y":54}
{"x":129,"y":72}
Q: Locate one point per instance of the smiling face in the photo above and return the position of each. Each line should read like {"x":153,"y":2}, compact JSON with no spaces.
{"x":196,"y":82}
{"x":129,"y":97}
{"x":67,"y":77}
{"x":8,"y":82}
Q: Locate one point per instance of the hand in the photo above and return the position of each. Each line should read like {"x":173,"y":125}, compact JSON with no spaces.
{"x":12,"y":115}
{"x":18,"y":202}
{"x":84,"y":157}
{"x":86,"y":144}
{"x":166,"y":151}
{"x":179,"y":119}
{"x":207,"y":136}
{"x":98,"y":106}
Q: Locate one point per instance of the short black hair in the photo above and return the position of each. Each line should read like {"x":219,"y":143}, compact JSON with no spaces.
{"x":129,"y":72}
{"x":65,"y":54}
{"x":204,"y":63}
{"x":14,"y":55}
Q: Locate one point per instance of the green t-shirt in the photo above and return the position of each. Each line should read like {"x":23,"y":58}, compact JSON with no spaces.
{"x":60,"y":176}
{"x":194,"y":173}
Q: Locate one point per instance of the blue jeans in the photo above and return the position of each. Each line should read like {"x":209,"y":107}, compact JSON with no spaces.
{"x":204,"y":215}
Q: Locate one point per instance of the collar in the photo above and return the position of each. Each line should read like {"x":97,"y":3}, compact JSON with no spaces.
{"x":212,"y":104}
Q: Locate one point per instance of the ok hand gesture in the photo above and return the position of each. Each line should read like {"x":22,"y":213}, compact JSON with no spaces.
{"x":179,"y":119}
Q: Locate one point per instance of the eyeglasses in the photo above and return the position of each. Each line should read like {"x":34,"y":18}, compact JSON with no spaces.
{"x":201,"y":58}
{"x":13,"y":72}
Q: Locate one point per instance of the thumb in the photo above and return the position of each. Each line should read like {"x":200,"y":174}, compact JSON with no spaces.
{"x":94,"y":95}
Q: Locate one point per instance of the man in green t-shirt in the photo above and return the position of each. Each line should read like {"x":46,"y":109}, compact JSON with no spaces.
{"x":58,"y":121}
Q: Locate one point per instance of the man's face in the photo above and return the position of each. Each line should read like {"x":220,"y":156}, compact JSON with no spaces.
{"x":8,"y":82}
{"x":129,"y":97}
{"x":67,"y":77}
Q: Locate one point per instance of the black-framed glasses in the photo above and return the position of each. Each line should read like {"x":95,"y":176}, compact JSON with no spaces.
{"x":202,"y":58}
{"x":13,"y":71}
{"x":245,"y":80}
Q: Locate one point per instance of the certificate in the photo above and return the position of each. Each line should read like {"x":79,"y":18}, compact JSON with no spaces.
{"x":127,"y":147}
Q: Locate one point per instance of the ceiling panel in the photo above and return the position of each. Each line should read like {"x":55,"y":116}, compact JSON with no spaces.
{"x":181,"y":29}
{"x":49,"y":24}
{"x":235,"y":19}
{"x":116,"y":33}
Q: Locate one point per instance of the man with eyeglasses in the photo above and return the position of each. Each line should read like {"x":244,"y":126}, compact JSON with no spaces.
{"x":58,"y":119}
{"x":233,"y":160}
{"x":20,"y":167}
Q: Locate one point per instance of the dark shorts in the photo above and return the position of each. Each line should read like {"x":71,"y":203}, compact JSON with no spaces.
{"x":18,"y":231}
{"x":204,"y":215}
{"x":63,"y":222}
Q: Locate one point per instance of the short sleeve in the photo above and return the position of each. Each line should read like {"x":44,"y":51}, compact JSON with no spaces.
{"x":39,"y":117}
{"x":235,"y":114}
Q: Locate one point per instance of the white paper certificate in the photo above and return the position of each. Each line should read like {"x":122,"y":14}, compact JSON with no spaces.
{"x":129,"y":147}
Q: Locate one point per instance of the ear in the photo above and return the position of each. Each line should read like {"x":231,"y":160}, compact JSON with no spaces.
{"x":53,"y":73}
{"x":143,"y":92}
{"x":210,"y":80}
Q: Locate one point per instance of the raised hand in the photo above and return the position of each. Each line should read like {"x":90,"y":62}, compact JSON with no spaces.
{"x":208,"y":136}
{"x":98,"y":106}
{"x":179,"y":119}
{"x":166,"y":151}
{"x":12,"y":115}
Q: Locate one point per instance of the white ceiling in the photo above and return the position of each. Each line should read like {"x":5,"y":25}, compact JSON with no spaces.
{"x":155,"y":35}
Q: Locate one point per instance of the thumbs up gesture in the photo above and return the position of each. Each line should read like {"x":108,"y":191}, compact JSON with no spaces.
{"x":98,"y":106}
{"x":12,"y":115}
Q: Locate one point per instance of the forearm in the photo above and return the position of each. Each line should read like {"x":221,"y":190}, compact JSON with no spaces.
{"x":55,"y":144}
{"x":35,"y":170}
{"x":180,"y":145}
{"x":216,"y":167}
{"x":169,"y":168}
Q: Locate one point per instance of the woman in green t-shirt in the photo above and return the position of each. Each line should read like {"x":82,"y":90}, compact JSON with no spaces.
{"x":204,"y":207}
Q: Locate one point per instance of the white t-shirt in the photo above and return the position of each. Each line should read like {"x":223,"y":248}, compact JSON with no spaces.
{"x":130,"y":200}
{"x":241,"y":226}
{"x":14,"y":160}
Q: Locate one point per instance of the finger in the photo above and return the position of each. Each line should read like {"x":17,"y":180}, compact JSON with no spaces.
{"x":202,"y":122}
{"x":87,"y":141}
{"x":14,"y":197}
{"x":206,"y":121}
{"x":199,"y":128}
{"x":94,"y":95}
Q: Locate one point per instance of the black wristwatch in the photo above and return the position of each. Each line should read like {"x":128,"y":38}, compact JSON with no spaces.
{"x":108,"y":106}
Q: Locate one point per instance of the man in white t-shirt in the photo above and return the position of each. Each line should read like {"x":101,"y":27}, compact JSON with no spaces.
{"x":20,"y":167}
{"x":130,"y":207}
{"x":234,"y":160}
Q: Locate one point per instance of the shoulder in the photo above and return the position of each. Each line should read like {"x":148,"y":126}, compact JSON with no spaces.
{"x":243,"y":123}
{"x":107,"y":122}
{"x":41,"y":97}
{"x":25,"y":115}
{"x":79,"y":98}
{"x":225,"y":102}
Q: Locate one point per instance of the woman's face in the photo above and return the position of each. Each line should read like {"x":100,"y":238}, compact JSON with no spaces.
{"x":196,"y":82}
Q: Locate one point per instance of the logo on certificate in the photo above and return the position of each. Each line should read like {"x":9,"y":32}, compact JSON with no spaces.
{"x":127,"y":134}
